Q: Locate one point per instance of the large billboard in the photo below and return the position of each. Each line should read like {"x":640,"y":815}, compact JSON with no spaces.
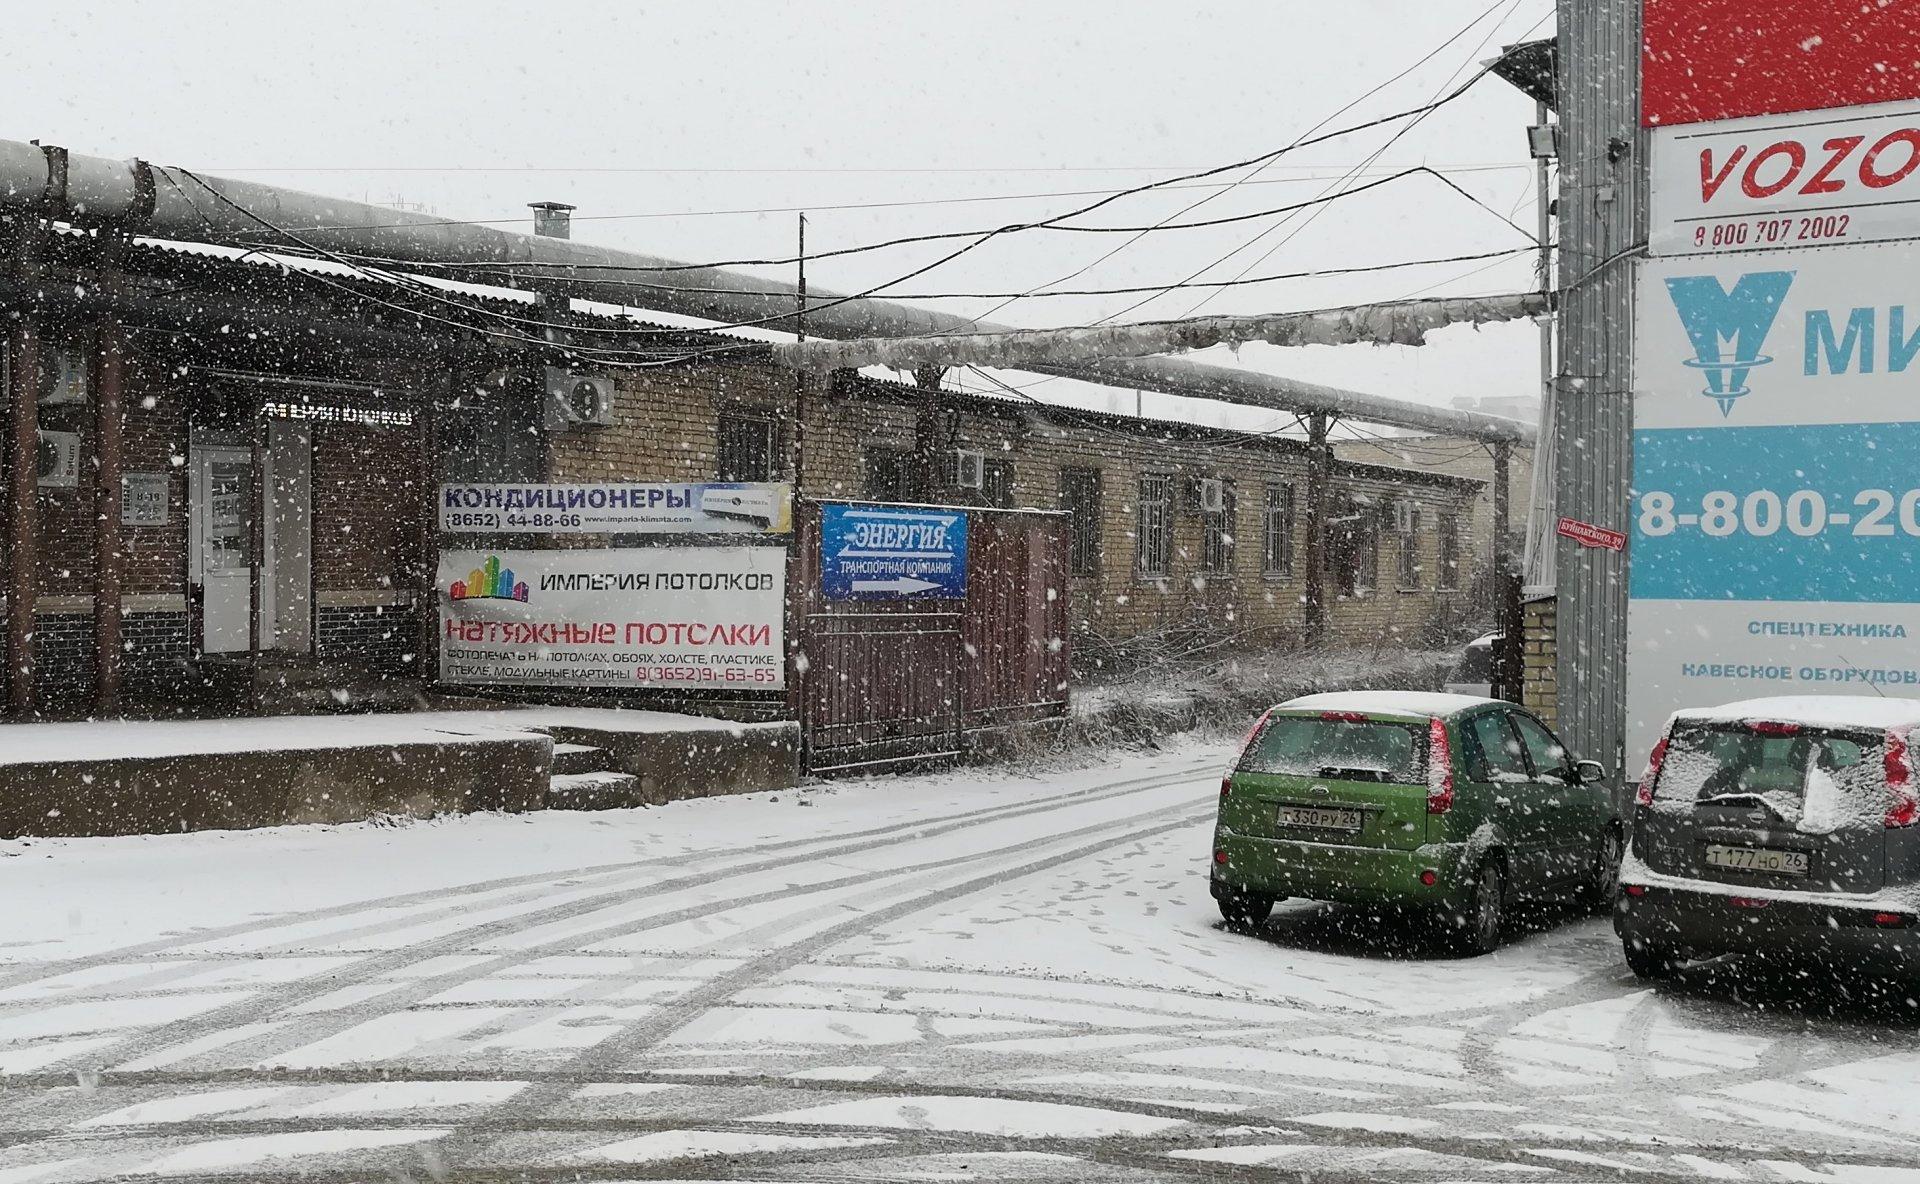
{"x":1708,"y":60}
{"x":705,"y":617}
{"x":1776,"y":512}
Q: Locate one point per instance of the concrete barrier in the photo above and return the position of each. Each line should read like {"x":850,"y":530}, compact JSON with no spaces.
{"x":132,"y":794}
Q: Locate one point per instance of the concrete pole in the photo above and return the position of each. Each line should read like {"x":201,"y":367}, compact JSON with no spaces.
{"x":23,"y":513}
{"x":109,"y":551}
{"x":1602,"y":218}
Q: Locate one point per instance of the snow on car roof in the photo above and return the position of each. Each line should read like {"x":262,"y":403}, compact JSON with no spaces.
{"x":1427,"y":703}
{"x":1820,"y":711}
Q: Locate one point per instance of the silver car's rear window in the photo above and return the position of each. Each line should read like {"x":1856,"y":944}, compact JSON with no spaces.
{"x":1800,"y":775}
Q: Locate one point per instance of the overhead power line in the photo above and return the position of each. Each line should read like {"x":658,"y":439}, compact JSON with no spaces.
{"x":981,"y":237}
{"x":1253,"y":177}
{"x":1338,"y":189}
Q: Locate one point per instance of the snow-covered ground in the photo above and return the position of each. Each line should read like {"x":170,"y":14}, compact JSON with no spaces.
{"x":971,"y":975}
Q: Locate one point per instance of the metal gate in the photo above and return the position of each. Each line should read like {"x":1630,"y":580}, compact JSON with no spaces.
{"x":877,"y":683}
{"x":880,"y":688}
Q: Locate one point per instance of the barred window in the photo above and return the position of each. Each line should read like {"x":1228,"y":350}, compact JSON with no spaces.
{"x":749,"y":449}
{"x":996,"y":483}
{"x":1276,"y":549}
{"x":886,"y":476}
{"x":1410,"y":548}
{"x":1449,"y":551}
{"x":1218,"y":528}
{"x":1080,"y":498}
{"x":1153,"y":544}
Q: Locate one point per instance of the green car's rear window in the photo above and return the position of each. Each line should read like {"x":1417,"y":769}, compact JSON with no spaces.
{"x":1338,"y":749}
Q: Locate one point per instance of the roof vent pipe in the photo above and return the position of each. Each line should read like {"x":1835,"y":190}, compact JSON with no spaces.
{"x":552,"y":219}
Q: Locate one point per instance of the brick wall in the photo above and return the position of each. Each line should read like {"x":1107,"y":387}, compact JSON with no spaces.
{"x":665,"y":429}
{"x":367,"y":507}
{"x":386,"y":635}
{"x":1539,"y":655}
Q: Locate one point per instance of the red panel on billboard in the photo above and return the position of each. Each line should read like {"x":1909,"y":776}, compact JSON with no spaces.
{"x":1725,"y":59}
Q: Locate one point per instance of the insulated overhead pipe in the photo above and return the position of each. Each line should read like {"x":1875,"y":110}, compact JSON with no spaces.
{"x":245,"y":212}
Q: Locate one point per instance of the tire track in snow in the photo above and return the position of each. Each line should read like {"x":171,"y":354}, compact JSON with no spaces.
{"x":538,"y":883}
{"x":264,"y":1004}
{"x":674,"y":1016}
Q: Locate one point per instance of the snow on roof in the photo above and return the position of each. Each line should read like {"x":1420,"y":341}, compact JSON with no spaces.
{"x":1820,"y":711}
{"x":1424,"y":703}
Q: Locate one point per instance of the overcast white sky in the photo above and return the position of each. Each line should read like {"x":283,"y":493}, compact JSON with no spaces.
{"x":650,"y":115}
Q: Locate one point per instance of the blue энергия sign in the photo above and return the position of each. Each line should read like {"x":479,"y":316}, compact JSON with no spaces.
{"x":890,"y":553}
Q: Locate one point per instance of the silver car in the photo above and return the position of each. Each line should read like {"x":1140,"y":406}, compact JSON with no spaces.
{"x":1783,"y":827}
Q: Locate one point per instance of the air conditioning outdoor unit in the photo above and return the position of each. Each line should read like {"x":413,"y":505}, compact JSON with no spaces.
{"x":577,"y":400}
{"x":59,"y":460}
{"x":1406,"y":516}
{"x":969,"y":468}
{"x":1212,"y":495}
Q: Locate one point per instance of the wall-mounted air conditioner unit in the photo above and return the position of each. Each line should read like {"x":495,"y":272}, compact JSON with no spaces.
{"x":59,"y":460}
{"x":1211,"y":493}
{"x":969,"y":468}
{"x":577,"y":400}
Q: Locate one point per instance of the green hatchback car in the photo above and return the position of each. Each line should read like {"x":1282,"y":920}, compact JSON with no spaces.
{"x":1451,"y":804}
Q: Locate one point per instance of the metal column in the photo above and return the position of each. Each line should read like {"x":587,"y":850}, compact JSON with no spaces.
{"x":1319,"y":461}
{"x":1602,"y":226}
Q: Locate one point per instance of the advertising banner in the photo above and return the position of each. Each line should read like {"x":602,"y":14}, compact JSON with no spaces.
{"x":1776,"y":513}
{"x":1787,"y":181}
{"x":890,"y":553}
{"x":708,"y":617}
{"x":717,"y":507}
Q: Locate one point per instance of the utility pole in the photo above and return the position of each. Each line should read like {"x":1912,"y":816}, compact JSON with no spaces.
{"x":1602,"y":215}
{"x":797,"y":460}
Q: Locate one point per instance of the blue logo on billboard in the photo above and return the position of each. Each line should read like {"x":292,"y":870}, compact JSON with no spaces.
{"x":892,"y":553}
{"x":1728,"y":328}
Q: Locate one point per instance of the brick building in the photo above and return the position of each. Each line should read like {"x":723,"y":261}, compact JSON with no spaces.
{"x":238,"y":460}
{"x":1154,"y":551}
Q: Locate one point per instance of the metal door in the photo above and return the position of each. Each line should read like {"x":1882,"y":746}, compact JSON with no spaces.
{"x":222,"y":507}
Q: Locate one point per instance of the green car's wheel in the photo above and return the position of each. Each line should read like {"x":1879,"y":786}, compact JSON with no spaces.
{"x":1244,"y":910}
{"x":1477,"y":931}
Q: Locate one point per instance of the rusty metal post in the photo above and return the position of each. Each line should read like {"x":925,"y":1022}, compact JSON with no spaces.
{"x":1506,"y":581}
{"x":1319,"y":461}
{"x":23,"y":533}
{"x":109,"y":551}
{"x":428,"y":581}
